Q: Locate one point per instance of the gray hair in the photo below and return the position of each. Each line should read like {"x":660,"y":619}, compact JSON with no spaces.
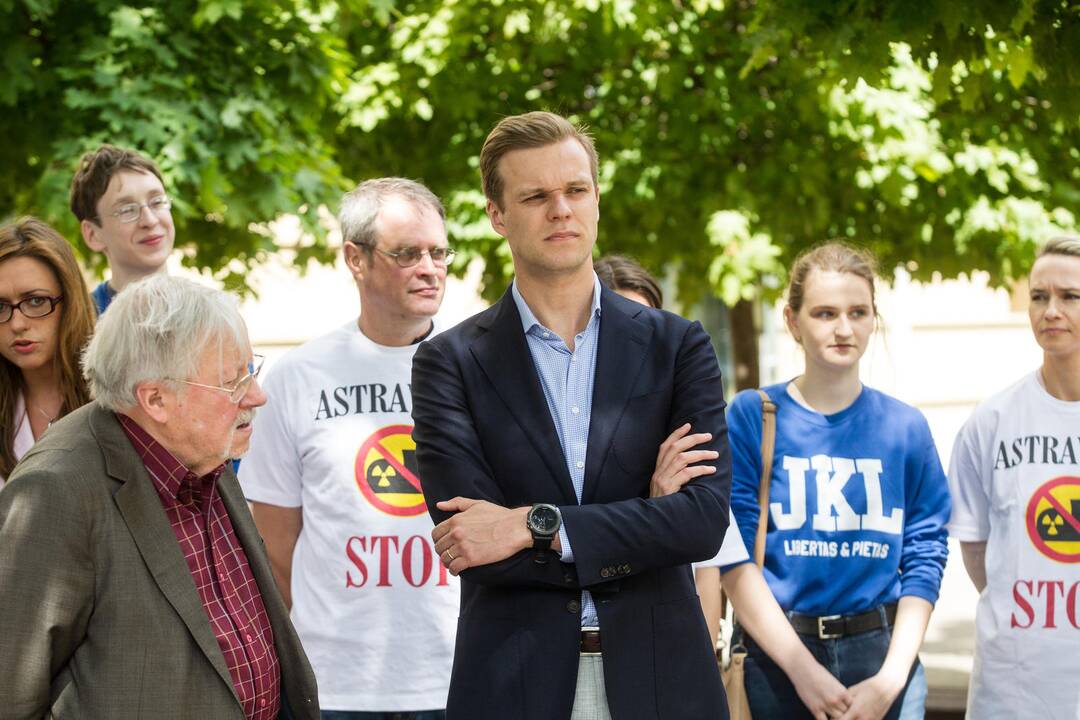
{"x":1061,"y":245}
{"x":360,"y":207}
{"x":157,"y":329}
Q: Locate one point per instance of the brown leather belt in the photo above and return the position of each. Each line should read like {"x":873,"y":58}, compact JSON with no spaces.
{"x":590,"y":641}
{"x":830,"y":627}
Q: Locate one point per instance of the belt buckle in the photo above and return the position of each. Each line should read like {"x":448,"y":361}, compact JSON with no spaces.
{"x":822,"y":635}
{"x":595,"y":630}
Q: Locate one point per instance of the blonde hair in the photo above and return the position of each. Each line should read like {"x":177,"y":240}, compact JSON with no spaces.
{"x":834,"y":255}
{"x":1061,"y":245}
{"x":522,"y":132}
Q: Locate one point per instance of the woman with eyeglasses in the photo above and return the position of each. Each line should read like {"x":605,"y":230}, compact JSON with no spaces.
{"x":45,"y":319}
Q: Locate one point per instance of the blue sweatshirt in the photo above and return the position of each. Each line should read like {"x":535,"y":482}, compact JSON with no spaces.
{"x":858,"y":502}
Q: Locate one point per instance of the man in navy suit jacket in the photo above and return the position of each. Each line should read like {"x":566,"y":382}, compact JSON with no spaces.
{"x":537,"y":424}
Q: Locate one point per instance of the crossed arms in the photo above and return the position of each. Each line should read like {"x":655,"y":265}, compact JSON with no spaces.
{"x":468,"y":497}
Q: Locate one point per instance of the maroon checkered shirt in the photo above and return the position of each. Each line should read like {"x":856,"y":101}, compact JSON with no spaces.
{"x":221,"y":573}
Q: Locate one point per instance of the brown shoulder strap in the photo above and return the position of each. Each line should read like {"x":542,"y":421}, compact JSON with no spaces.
{"x":768,"y":443}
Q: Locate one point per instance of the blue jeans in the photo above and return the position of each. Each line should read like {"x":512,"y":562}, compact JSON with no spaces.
{"x":850,"y":659}
{"x":914,"y":707}
{"x":364,"y":715}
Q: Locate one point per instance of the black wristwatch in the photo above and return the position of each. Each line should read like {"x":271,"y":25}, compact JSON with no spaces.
{"x":543,"y":522}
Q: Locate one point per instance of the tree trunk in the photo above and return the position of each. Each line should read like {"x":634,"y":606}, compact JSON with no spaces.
{"x":744,"y":345}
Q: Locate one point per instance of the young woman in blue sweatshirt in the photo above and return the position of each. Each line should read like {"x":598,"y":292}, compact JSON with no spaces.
{"x":855,"y":544}
{"x":744,"y":584}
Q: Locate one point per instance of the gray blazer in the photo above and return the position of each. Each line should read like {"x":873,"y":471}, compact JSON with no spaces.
{"x":99,"y":616}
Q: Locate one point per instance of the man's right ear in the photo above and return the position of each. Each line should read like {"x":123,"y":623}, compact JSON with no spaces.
{"x":91,"y":233}
{"x":355,"y":259}
{"x":494,"y":214}
{"x":155,"y":400}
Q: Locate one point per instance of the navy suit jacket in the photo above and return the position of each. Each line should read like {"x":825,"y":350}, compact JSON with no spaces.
{"x":483,"y":430}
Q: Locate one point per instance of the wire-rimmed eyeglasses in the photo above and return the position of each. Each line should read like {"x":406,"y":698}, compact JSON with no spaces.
{"x":407,"y":257}
{"x":130,"y":212}
{"x":241,"y":386}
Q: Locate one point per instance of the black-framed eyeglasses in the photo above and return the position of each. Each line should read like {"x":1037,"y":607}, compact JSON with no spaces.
{"x":35,"y":306}
{"x":240,"y":388}
{"x":130,"y":212}
{"x":407,"y":257}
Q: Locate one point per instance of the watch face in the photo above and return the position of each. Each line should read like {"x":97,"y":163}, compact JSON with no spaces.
{"x":543,"y":519}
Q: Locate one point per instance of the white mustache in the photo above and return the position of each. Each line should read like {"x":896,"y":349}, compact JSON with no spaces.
{"x":245,"y":417}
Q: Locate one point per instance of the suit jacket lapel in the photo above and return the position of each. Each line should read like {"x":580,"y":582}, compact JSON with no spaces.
{"x":141,"y":509}
{"x":503,"y":354}
{"x":248,"y":535}
{"x":623,"y":344}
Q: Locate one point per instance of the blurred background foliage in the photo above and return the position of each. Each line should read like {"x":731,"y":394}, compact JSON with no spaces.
{"x":732,"y":134}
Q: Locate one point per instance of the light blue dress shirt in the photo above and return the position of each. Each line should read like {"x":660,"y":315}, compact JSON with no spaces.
{"x":567,"y":380}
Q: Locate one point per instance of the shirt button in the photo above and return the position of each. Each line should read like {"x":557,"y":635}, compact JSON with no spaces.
{"x":547,"y":334}
{"x":262,"y":702}
{"x":579,"y":464}
{"x":573,"y":606}
{"x":248,"y":637}
{"x":575,"y":409}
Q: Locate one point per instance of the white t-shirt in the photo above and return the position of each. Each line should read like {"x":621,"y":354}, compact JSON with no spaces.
{"x":1015,"y":482}
{"x":732,"y":550}
{"x":375,"y":609}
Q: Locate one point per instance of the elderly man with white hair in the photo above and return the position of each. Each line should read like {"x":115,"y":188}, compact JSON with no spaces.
{"x":133,"y":582}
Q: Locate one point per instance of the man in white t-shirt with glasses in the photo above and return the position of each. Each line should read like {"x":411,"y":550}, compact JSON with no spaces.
{"x":333,"y":481}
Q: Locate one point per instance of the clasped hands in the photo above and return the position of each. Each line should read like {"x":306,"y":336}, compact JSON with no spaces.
{"x":481,"y":532}
{"x":828,"y":699}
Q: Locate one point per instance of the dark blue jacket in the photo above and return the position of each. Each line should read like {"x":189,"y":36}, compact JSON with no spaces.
{"x":483,"y":430}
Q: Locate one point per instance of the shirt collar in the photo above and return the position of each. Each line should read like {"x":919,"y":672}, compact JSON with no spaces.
{"x":170,"y":475}
{"x":528,"y":319}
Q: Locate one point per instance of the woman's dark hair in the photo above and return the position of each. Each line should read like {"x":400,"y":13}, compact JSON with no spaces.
{"x":622,"y":273}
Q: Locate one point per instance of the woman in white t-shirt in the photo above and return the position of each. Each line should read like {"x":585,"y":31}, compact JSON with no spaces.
{"x":45,"y":319}
{"x":744,"y":584}
{"x":1015,"y":481}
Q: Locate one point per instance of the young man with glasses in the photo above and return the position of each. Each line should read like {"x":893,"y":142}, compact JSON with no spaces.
{"x":332,"y":474}
{"x":119,"y":199}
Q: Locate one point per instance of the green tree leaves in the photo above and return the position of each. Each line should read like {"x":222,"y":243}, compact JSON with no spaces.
{"x":900,"y":127}
{"x":230,"y":98}
{"x":732,"y":133}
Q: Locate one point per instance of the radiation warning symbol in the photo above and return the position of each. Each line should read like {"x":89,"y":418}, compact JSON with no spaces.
{"x":1053,"y":519}
{"x":386,"y":472}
